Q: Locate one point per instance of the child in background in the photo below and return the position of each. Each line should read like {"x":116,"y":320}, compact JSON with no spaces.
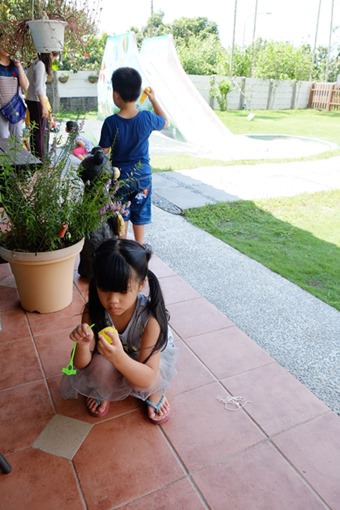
{"x":140,"y":360}
{"x":126,"y":134}
{"x":83,"y":145}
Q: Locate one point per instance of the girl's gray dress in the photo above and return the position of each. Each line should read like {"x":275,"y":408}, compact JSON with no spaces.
{"x":101,"y":380}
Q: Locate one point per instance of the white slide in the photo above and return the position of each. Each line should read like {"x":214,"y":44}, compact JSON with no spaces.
{"x":189,"y":112}
{"x":192,"y":119}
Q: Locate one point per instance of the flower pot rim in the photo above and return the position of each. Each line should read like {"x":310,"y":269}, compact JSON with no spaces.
{"x":13,"y":255}
{"x":47,"y":21}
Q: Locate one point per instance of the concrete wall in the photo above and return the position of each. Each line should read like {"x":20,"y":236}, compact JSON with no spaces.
{"x":258,"y":94}
{"x":247,"y":93}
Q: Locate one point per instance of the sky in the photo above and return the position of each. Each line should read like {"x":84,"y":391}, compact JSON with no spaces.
{"x":279,"y":20}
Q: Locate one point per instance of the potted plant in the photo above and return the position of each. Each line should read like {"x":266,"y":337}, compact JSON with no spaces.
{"x":50,"y":210}
{"x":47,"y":34}
{"x":63,"y":78}
{"x":67,"y":25}
{"x":93,"y":78}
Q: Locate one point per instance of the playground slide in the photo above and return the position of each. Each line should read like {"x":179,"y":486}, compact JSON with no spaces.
{"x":192,"y":120}
{"x":189,"y":112}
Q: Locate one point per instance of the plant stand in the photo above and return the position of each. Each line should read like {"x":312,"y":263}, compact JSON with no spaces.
{"x":44,"y":280}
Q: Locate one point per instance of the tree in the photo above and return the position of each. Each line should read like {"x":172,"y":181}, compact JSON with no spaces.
{"x":282,"y":61}
{"x":185,"y":28}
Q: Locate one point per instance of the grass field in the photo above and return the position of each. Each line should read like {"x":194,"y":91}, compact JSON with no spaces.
{"x":296,"y":237}
{"x":306,"y":123}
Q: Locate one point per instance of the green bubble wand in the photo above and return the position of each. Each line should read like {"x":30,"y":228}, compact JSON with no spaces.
{"x":70,"y":368}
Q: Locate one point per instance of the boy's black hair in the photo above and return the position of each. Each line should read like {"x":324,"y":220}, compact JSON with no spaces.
{"x":72,"y":126}
{"x":127,"y":82}
{"x":113,"y":263}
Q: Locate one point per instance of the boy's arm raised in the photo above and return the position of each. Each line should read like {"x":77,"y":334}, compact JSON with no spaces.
{"x":156,"y":106}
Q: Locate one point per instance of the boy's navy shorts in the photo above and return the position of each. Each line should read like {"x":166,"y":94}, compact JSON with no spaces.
{"x":139,"y":211}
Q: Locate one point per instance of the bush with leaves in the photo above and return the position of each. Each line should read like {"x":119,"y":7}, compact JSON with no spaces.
{"x":51,"y":208}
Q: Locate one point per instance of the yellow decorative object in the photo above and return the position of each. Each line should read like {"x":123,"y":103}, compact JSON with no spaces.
{"x":104,"y":333}
{"x":144,"y":94}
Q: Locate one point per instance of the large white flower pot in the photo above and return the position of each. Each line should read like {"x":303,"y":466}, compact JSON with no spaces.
{"x":47,"y":34}
{"x":44,"y":280}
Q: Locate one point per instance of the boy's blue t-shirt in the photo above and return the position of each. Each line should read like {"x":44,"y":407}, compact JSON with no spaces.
{"x":129,"y":140}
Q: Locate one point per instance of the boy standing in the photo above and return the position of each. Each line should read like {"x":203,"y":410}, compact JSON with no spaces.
{"x":126,"y":134}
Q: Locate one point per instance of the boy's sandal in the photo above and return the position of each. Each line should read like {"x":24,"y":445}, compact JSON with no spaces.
{"x":157,"y":407}
{"x":96,"y":413}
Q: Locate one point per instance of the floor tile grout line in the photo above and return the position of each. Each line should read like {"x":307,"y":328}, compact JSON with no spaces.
{"x":41,"y":366}
{"x":300,"y":474}
{"x":182,"y":464}
{"x":154,"y":492}
{"x":78,"y":483}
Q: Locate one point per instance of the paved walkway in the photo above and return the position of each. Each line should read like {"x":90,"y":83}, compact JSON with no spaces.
{"x":300,"y":331}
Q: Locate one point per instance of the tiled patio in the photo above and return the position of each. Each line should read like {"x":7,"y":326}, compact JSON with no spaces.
{"x":279,"y":452}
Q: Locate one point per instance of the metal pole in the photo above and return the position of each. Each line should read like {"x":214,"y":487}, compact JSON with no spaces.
{"x":315,"y":39}
{"x":253,"y":40}
{"x":233,"y":40}
{"x":329,"y":41}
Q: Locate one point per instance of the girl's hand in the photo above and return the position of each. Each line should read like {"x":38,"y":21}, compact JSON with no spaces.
{"x":110,"y":351}
{"x":82,"y":334}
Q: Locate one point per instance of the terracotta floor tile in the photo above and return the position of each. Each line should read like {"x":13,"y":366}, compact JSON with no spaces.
{"x":62,"y":436}
{"x":75,"y":408}
{"x":203,"y":432}
{"x":55,"y":348}
{"x":9,"y":298}
{"x":258,"y":478}
{"x":180,"y":495}
{"x":195,"y":317}
{"x":228,"y":351}
{"x":160,"y":269}
{"x":51,"y":322}
{"x":314,"y":449}
{"x":191,"y":373}
{"x":175,"y":290}
{"x":39,"y":481}
{"x":13,"y":325}
{"x":278,"y":401}
{"x":25,"y":410}
{"x":18,"y":362}
{"x":130,"y":457}
{"x":83,"y":286}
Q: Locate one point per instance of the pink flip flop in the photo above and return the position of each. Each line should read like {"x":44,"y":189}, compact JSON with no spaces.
{"x":157,"y":407}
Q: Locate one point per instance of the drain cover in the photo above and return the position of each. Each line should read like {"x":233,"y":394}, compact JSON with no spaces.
{"x":164,"y":204}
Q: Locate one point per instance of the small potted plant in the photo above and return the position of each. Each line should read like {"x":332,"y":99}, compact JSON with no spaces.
{"x":50,"y":211}
{"x":63,"y":78}
{"x":93,"y":78}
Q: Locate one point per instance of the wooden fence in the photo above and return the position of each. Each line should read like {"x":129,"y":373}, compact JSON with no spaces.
{"x":325,"y":96}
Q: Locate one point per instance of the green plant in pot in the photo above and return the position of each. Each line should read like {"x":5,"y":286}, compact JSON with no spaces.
{"x":50,"y":210}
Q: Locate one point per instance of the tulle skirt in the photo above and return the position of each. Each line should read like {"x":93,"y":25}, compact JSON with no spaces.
{"x":101,"y":380}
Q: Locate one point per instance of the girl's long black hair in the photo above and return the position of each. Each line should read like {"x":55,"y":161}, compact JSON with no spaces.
{"x":113,"y":263}
{"x":47,"y":61}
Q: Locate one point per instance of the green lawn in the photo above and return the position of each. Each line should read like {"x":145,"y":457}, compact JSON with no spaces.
{"x":298,"y":237}
{"x":306,"y":123}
